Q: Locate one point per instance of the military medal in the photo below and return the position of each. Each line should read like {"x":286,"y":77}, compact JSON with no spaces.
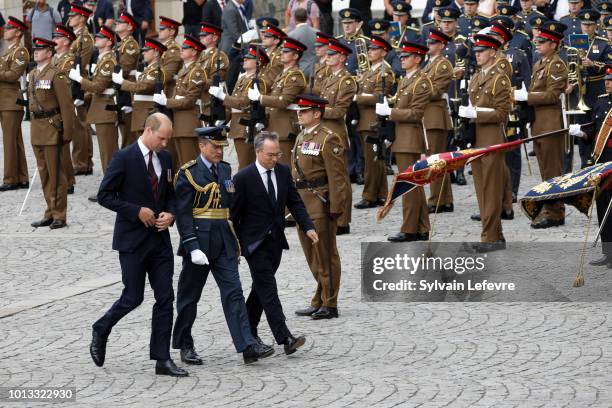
{"x":169,"y":175}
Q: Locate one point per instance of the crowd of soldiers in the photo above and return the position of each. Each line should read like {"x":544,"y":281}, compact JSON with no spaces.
{"x":460,"y":80}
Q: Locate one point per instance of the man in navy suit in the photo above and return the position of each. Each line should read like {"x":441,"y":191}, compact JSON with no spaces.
{"x":208,"y":244}
{"x":137,"y":186}
{"x":263,"y":189}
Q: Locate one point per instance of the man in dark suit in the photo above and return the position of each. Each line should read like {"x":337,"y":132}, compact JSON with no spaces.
{"x":211,"y":12}
{"x":263,"y":189}
{"x":208,"y":244}
{"x":137,"y":186}
{"x":234,"y":23}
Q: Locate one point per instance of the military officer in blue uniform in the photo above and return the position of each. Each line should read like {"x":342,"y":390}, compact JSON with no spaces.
{"x":520,"y":39}
{"x":380,"y":27}
{"x":571,"y":20}
{"x":464,"y":23}
{"x":351,"y":26}
{"x":208,"y":243}
{"x":605,"y":9}
{"x":527,"y":13}
{"x":535,"y":21}
{"x":408,"y":30}
{"x":608,"y":27}
{"x":432,"y":9}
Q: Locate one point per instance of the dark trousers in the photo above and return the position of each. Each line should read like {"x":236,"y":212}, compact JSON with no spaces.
{"x":193,"y":29}
{"x":326,"y":23}
{"x":263,"y":264}
{"x":154,"y":258}
{"x":355,"y":154}
{"x":513,"y":161}
{"x":603,"y":200}
{"x":191,"y":282}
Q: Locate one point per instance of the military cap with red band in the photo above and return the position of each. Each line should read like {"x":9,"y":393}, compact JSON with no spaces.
{"x":274,"y":31}
{"x":438,"y":36}
{"x":483,"y":41}
{"x":322,"y":39}
{"x":63,"y":31}
{"x":192,"y":42}
{"x":336,"y":47}
{"x":207,"y":28}
{"x":377,"y":41}
{"x":14,"y":22}
{"x":153,"y":44}
{"x":498,"y":28}
{"x":545,"y":33}
{"x":42,"y":43}
{"x":608,"y":72}
{"x":409,"y":48}
{"x":168,"y":22}
{"x":80,"y":10}
{"x":252,"y":54}
{"x":291,"y":44}
{"x":309,"y":101}
{"x":129,"y":19}
{"x":106,"y":32}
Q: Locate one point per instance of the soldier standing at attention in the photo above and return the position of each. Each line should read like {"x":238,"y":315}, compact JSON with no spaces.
{"x":490,"y":104}
{"x":209,"y":59}
{"x":319,"y":170}
{"x":239,"y":103}
{"x":171,"y":58}
{"x":13,"y":65}
{"x":272,"y":41}
{"x":52,"y":112}
{"x":414,"y":92}
{"x":321,"y":70}
{"x":63,"y":60}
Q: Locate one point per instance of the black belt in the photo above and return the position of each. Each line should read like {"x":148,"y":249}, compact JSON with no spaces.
{"x":45,"y":114}
{"x":302,"y":184}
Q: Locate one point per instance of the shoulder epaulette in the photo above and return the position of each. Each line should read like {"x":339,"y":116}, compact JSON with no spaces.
{"x":339,"y":37}
{"x":603,"y":95}
{"x":188,"y":164}
{"x":601,"y":38}
{"x":413,"y":29}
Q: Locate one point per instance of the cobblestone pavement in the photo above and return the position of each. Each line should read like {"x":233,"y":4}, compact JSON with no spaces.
{"x":54,"y":284}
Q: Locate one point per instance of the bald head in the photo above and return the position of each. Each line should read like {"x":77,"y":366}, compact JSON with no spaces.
{"x":157,"y":132}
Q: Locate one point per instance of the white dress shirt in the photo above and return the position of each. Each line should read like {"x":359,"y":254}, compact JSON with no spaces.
{"x":263,"y":172}
{"x":156,"y":163}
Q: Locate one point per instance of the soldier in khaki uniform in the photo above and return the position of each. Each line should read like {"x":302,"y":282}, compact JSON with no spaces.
{"x":185,"y":109}
{"x":284,"y":88}
{"x":437,"y":118}
{"x":339,"y":89}
{"x":490,"y":104}
{"x":13,"y":65}
{"x":371,"y":82}
{"x":129,"y":51}
{"x":171,"y":61}
{"x":414,"y":92}
{"x":209,"y":36}
{"x":548,"y":81}
{"x":63,"y":60}
{"x":321,"y":70}
{"x":240,"y":105}
{"x":144,"y":87}
{"x":82,"y":144}
{"x":99,"y":87}
{"x":272,"y":41}
{"x":51,"y":112}
{"x":318,"y":168}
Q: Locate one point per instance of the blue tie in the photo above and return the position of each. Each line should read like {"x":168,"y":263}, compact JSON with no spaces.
{"x":213,"y":170}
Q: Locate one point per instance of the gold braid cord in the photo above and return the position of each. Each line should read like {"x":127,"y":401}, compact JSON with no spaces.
{"x":212,"y":189}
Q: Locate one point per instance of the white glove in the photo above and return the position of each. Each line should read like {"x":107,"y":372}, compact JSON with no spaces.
{"x":118,"y":77}
{"x":254,"y":94}
{"x":576,"y":130}
{"x":198,"y":257}
{"x":467,"y":112}
{"x":78,"y":102}
{"x":160,"y":98}
{"x":520,"y":95}
{"x":126,"y":109}
{"x":383,"y":109}
{"x":259,"y":126}
{"x":75,"y":74}
{"x":217,"y":92}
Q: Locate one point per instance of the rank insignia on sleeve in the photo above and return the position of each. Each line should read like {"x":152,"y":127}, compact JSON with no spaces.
{"x":130,"y":52}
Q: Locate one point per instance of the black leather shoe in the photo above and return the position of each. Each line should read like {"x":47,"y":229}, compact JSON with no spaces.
{"x":167,"y":367}
{"x":343,"y":230}
{"x":604,"y":260}
{"x":290,"y":223}
{"x":306,"y":312}
{"x":325,"y":313}
{"x":532,"y":153}
{"x":93,"y":198}
{"x":460,"y":179}
{"x":441,"y":209}
{"x":8,"y":187}
{"x":475,"y":217}
{"x":25,"y":184}
{"x":366,"y":204}
{"x":97,"y":348}
{"x":70,"y":190}
{"x":389,"y":170}
{"x":359,"y":180}
{"x":489,"y":246}
{"x":292,"y":344}
{"x":403,"y":237}
{"x":256,"y":351}
{"x":80,"y":172}
{"x":190,"y":356}
{"x":56,"y":224}
{"x":422,"y":236}
{"x":546,"y":223}
{"x":507,"y":215}
{"x":45,"y":222}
